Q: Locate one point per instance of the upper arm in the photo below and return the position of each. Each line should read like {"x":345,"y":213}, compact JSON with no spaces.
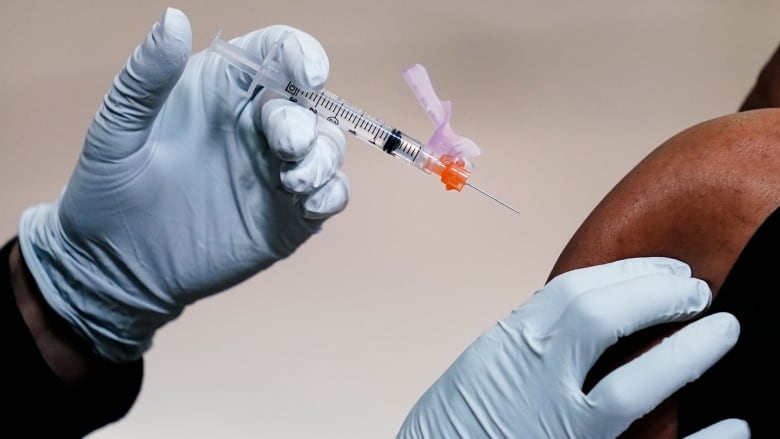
{"x":699,"y":198}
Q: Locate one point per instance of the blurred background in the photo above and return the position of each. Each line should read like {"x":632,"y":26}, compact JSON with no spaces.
{"x":340,"y":340}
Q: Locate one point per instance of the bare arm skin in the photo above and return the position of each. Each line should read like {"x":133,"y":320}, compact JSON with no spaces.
{"x":698,"y":197}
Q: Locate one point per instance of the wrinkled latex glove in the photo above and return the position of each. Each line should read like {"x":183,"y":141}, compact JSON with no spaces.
{"x":184,"y":187}
{"x":523,"y":378}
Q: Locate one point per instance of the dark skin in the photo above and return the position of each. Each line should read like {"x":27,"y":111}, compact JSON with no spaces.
{"x":699,"y":197}
{"x":718,"y":178}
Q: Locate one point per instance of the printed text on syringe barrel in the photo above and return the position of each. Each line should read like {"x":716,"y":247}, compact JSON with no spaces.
{"x":359,"y":123}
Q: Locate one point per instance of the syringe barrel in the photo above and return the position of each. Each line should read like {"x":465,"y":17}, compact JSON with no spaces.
{"x":360,"y":124}
{"x":381,"y":135}
{"x":268,"y":74}
{"x":406,"y":148}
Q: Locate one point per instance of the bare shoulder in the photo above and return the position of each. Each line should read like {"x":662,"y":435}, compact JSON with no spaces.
{"x":697,"y":197}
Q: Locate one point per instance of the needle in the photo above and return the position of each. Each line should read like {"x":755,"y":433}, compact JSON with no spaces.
{"x":492,"y":198}
{"x":268,"y":72}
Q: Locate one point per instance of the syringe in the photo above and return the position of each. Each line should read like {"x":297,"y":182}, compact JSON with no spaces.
{"x":268,"y":72}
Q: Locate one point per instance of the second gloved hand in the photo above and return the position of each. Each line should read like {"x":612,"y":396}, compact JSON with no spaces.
{"x":184,"y":187}
{"x":523,"y":378}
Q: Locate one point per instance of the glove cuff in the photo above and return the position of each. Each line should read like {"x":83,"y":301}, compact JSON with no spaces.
{"x":80,"y":286}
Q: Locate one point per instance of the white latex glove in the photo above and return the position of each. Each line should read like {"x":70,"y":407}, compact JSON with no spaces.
{"x":184,"y":188}
{"x":523,"y":377}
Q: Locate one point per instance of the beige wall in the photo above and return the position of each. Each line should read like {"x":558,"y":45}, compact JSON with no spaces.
{"x":563,"y":99}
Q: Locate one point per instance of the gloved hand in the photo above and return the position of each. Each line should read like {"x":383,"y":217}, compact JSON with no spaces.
{"x":523,"y":378}
{"x":184,"y":187}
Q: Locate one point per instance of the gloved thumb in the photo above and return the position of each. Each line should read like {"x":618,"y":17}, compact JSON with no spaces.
{"x":124,"y":120}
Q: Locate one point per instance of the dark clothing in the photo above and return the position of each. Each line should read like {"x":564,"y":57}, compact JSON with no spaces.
{"x":744,"y":383}
{"x":37,"y":402}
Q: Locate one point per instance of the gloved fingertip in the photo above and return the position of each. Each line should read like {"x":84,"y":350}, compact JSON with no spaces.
{"x":704,"y":293}
{"x":158,"y":62}
{"x":694,"y":296}
{"x":737,"y":428}
{"x":319,"y":165}
{"x":672,"y":266}
{"x":726,"y":325}
{"x":329,"y":200}
{"x":173,"y":34}
{"x":679,"y":268}
{"x":297,"y":180}
{"x":731,"y":428}
{"x":309,"y":64}
{"x":291,"y":130}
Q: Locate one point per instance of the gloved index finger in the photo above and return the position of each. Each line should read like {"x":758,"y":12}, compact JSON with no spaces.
{"x":298,"y":56}
{"x":305,"y":60}
{"x":614,"y":272}
{"x":599,"y":318}
{"x":546,"y":306}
